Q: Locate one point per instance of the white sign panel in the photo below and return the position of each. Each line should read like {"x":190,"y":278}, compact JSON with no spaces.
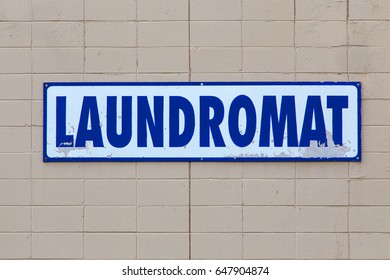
{"x":202,"y":121}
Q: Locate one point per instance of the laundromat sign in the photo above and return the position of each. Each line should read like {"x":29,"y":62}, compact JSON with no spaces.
{"x":202,"y":121}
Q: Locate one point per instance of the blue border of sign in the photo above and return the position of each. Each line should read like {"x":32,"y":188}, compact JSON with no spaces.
{"x":46,"y":86}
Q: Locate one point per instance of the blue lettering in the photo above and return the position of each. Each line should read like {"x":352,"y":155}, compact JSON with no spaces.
{"x":62,"y":139}
{"x":115,"y":139}
{"x":89,"y":110}
{"x":208,"y":124}
{"x":313,"y":107}
{"x":270,"y":114}
{"x":337,"y":104}
{"x":145,"y":118}
{"x":177,"y":103}
{"x":242,"y":102}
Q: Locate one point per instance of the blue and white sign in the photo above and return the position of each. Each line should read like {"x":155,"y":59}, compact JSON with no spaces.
{"x":202,"y":121}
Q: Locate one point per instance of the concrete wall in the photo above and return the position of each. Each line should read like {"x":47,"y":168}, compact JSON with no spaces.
{"x":192,"y":210}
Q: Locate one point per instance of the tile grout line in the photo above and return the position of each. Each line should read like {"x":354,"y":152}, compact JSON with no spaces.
{"x":348,"y":76}
{"x":31,"y":129}
{"x":295,"y":212}
{"x":242,"y":211}
{"x":295,"y":164}
{"x":197,"y":20}
{"x":84,"y":200}
{"x":136,"y":163}
{"x":189,"y":38}
{"x":242,"y":164}
{"x":242,"y":40}
{"x":136,"y":210}
{"x":84,"y":41}
{"x":136,"y":40}
{"x":295,"y":42}
{"x":84,"y":181}
{"x":189,"y":212}
{"x":189,"y":163}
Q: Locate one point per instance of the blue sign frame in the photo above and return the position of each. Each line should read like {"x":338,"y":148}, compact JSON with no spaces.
{"x":46,"y":158}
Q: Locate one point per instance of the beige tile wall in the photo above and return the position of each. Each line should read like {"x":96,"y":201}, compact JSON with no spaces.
{"x":192,"y":210}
